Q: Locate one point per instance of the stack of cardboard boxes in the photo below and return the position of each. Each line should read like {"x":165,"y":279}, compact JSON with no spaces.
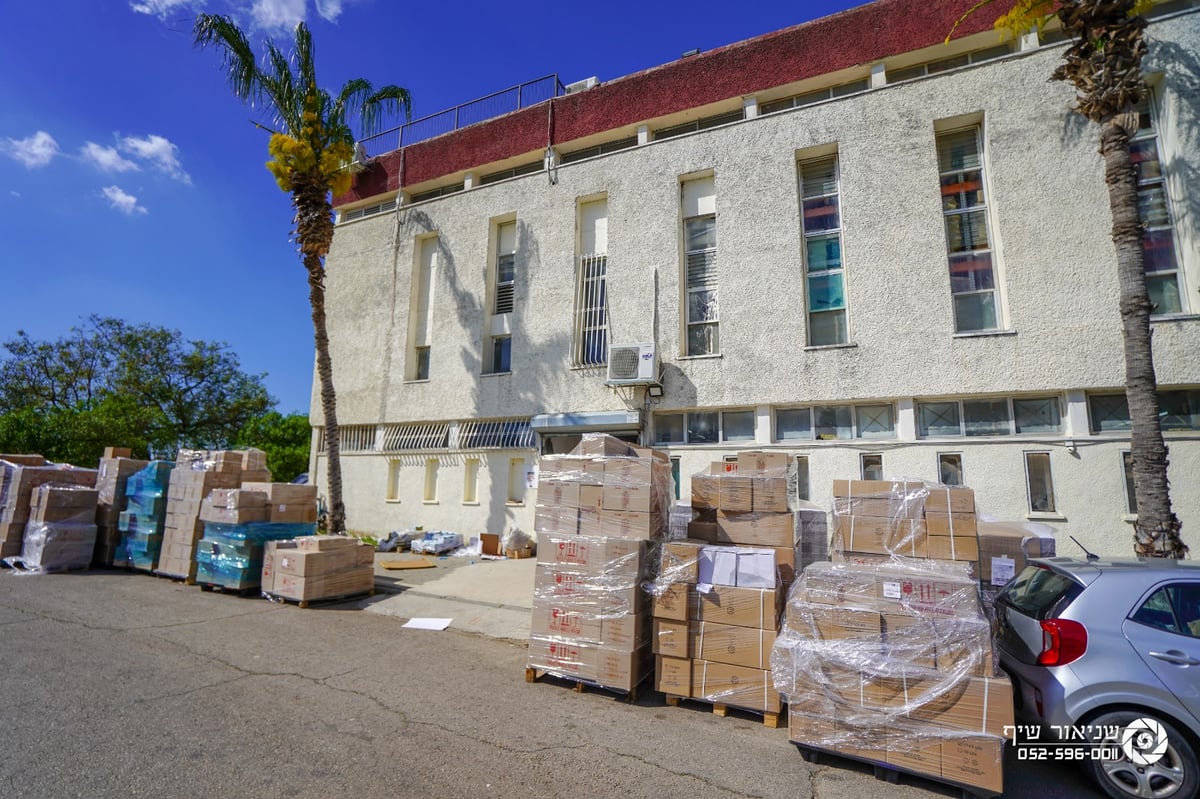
{"x":19,"y":475}
{"x":716,"y":615}
{"x":196,"y":473}
{"x":886,"y":654}
{"x":116,"y":467}
{"x":237,"y":524}
{"x":141,"y":522}
{"x":314,"y":568}
{"x":599,"y":510}
{"x":61,"y":532}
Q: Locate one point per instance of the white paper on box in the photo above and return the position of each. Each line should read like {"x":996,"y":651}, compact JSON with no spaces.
{"x":705,"y":561}
{"x":704,"y":588}
{"x":756,"y":569}
{"x":1003,"y":569}
{"x":725,"y":567}
{"x":891,"y":590}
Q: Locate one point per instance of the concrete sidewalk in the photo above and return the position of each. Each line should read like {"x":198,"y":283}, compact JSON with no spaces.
{"x":493,"y":598}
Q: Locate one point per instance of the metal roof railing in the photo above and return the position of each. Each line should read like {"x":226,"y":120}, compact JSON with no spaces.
{"x":493,"y":105}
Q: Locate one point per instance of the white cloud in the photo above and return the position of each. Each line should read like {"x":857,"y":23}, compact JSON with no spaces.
{"x":120,"y":201}
{"x":160,"y":152}
{"x":329,"y":9}
{"x":278,"y":14}
{"x":159,"y":8}
{"x":15,"y":193}
{"x":274,"y":16}
{"x":106,"y":159}
{"x":35,"y":151}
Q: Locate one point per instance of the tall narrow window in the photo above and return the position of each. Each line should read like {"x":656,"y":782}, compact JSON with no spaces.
{"x":516,"y":481}
{"x":700,"y":257}
{"x":591,"y":290}
{"x":1158,"y":240}
{"x":675,"y":475}
{"x":803,"y":490}
{"x":1041,"y":484}
{"x":393,"y":481}
{"x":950,"y":471}
{"x":431,"y":480}
{"x":1130,"y":491}
{"x":498,"y":349}
{"x":871,"y":465}
{"x":470,"y":481}
{"x":964,"y":204}
{"x":822,"y":223}
{"x":502,"y":354}
{"x":421,"y":335}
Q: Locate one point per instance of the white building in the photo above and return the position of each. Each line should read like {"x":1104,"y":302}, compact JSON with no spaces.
{"x":846,"y":240}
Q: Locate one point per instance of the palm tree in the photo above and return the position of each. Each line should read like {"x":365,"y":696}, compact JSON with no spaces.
{"x":310,"y":154}
{"x":1104,"y":64}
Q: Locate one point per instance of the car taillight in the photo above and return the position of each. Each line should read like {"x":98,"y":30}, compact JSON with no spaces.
{"x":1063,"y":641}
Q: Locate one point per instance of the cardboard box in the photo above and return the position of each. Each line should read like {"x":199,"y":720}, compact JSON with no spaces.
{"x":894,"y":490}
{"x":831,"y":623}
{"x":914,"y":747}
{"x":621,"y":557}
{"x":293,"y":514}
{"x":673,"y":676}
{"x":841,"y":585}
{"x":555,"y":519}
{"x":323,"y":586}
{"x":631,"y":472}
{"x":706,"y":491}
{"x":703,"y":530}
{"x":629,"y":524}
{"x":283,"y":493}
{"x":674,"y":602}
{"x":947,"y":498}
{"x":583,"y":622}
{"x":593,"y":444}
{"x":950,"y":523}
{"x":910,"y":639}
{"x":735,"y":685}
{"x":726,"y":643}
{"x":756,"y":529}
{"x":927,"y":594}
{"x":322,"y":543}
{"x":743,"y":607}
{"x":813,"y":729}
{"x":600,"y":594}
{"x":237,"y":498}
{"x":672,"y":639}
{"x":737,"y":493}
{"x":904,"y":507}
{"x":977,"y":761}
{"x":309,"y":563}
{"x":759,"y":461}
{"x":880,"y":536}
{"x":635,"y":498}
{"x":1004,"y":548}
{"x":117,"y":452}
{"x":584,"y":471}
{"x":554,"y":493}
{"x":619,"y":669}
{"x":234,"y":515}
{"x":770,"y":494}
{"x":680,"y":561}
{"x":718,"y":566}
{"x":591,"y":498}
{"x":974,"y":704}
{"x":964,"y":642}
{"x":960,"y":546}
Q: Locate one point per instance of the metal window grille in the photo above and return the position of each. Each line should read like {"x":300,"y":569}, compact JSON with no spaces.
{"x":496,"y":434}
{"x":591,"y":312}
{"x":505,"y":273}
{"x":354,"y":438}
{"x":416,"y":436}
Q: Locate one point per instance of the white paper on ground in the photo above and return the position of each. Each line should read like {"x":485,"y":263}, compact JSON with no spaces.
{"x":427,"y":624}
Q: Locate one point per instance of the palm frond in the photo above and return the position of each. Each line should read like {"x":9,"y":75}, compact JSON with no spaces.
{"x":306,"y":68}
{"x":388,"y":100}
{"x":236,"y":53}
{"x":280,"y":86}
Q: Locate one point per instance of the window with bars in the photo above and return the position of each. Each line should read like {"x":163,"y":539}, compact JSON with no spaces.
{"x":591,"y":287}
{"x":1158,"y":239}
{"x":1001,"y":416}
{"x":703,"y":312}
{"x":834,"y":422}
{"x":496,"y":434}
{"x":352,"y":438}
{"x":822,"y":227}
{"x":1177,"y":410}
{"x":415,"y":436}
{"x":964,"y":206}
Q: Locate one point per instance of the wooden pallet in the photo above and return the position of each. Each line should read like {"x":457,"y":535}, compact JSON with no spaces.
{"x":579,"y":686}
{"x":770,"y":719}
{"x":325,"y":600}
{"x":175,"y":578}
{"x":888,"y":772}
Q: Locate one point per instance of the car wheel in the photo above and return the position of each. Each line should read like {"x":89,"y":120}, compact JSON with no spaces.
{"x":1152,"y":758}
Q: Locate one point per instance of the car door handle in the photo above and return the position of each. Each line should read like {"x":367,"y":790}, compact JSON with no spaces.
{"x":1176,"y":657}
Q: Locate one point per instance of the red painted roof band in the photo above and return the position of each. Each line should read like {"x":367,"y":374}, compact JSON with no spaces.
{"x":862,"y":35}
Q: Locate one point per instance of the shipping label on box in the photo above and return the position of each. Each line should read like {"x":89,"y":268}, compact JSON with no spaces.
{"x":919,"y":594}
{"x":673,"y":676}
{"x":744,"y":607}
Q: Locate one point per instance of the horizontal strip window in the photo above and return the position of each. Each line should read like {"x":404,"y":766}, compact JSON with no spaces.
{"x":1177,"y":410}
{"x":698,"y":124}
{"x":453,"y":188}
{"x":409,"y":437}
{"x":704,"y":427}
{"x":516,"y":171}
{"x":599,"y":149}
{"x":368,"y":210}
{"x":997,"y":416}
{"x":934,"y":67}
{"x":354,"y":438}
{"x":808,"y":98}
{"x":834,"y":422}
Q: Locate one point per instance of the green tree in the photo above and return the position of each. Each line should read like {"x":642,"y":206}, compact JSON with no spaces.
{"x":113,"y":383}
{"x":285,"y":439}
{"x":309,"y":159}
{"x":1104,"y":64}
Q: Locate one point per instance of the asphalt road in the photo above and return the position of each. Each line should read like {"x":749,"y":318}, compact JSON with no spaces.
{"x":126,"y":685}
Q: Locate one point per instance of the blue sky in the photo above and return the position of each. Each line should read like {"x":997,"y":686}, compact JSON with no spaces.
{"x":132,"y":182}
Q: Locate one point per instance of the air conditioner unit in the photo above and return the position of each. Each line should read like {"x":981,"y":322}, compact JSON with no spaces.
{"x":632,"y":365}
{"x":582,"y":85}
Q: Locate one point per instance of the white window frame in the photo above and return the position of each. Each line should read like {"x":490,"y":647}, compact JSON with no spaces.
{"x":1049,"y":478}
{"x":810,"y":234}
{"x":854,"y":409}
{"x":983,"y":211}
{"x":1147,"y":133}
{"x":1010,"y":409}
{"x":863,"y":457}
{"x":719,"y":413}
{"x":706,"y":282}
{"x":961,"y":470}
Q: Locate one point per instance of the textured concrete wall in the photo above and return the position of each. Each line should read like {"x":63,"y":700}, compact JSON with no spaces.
{"x":1049,"y":219}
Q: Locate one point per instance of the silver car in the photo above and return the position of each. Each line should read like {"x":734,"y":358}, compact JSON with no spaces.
{"x":1104,"y":657}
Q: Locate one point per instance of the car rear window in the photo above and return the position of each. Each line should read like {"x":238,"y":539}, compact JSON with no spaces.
{"x":1040,"y":593}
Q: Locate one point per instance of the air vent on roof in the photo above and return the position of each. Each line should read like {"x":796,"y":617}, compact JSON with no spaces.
{"x":582,"y":85}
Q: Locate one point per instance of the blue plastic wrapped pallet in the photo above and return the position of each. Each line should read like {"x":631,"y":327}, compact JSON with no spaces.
{"x":141,"y":522}
{"x":231,"y":555}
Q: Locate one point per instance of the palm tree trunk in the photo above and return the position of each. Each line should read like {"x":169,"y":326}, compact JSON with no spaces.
{"x":1156,"y":533}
